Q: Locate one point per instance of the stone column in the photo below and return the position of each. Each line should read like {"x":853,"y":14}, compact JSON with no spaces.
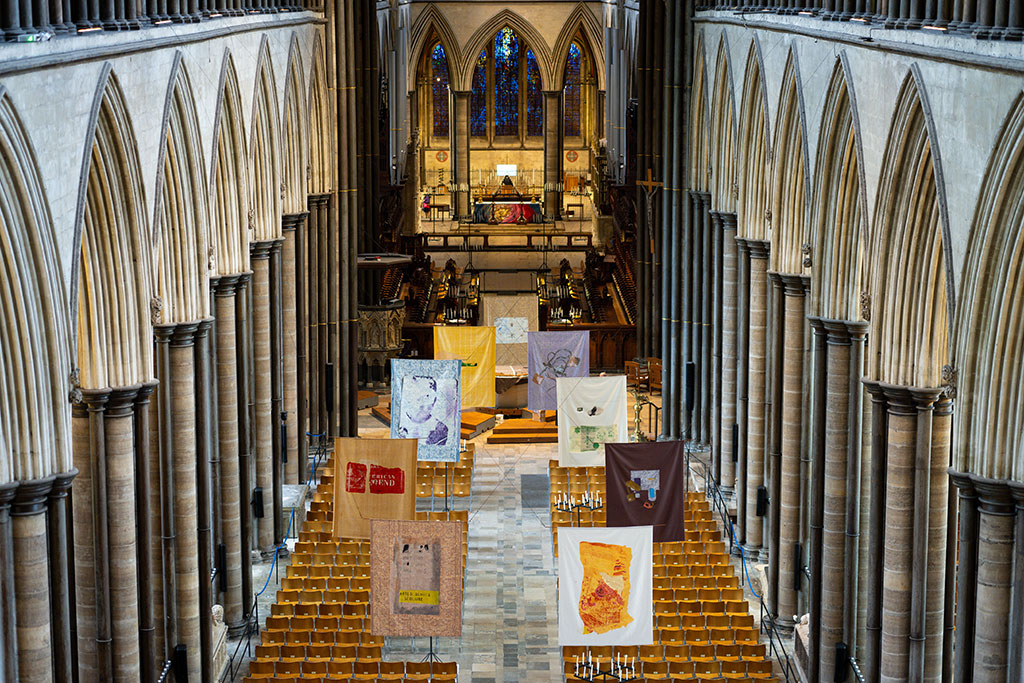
{"x":992,"y":633}
{"x":553,"y":118}
{"x":742,"y":382}
{"x":264,"y":424}
{"x":60,"y":584}
{"x":729,"y":291}
{"x":460,"y":154}
{"x":792,"y":441}
{"x":31,"y":585}
{"x":8,"y":617}
{"x":204,"y":380}
{"x":966,"y":580}
{"x":149,"y":580}
{"x":756,"y":389}
{"x":705,"y":352}
{"x":936,"y":559}
{"x":276,"y":389}
{"x":1016,"y":650}
{"x":289,"y":342}
{"x":840,"y":427}
{"x":181,"y":383}
{"x":244,"y":359}
{"x":314,"y":367}
{"x":816,"y":486}
{"x":897,"y":574}
{"x":301,"y":350}
{"x":227,"y":417}
{"x":119,"y":433}
{"x":714,"y":236}
{"x":876,"y":532}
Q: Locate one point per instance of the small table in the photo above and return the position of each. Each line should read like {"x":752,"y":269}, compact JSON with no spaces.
{"x":441,"y":209}
{"x":570,"y":207}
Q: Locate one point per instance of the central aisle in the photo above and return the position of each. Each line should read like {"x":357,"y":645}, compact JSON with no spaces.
{"x":510,"y":610}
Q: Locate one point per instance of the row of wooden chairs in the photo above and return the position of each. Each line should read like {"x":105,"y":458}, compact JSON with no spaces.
{"x":690,"y":620}
{"x":656,"y":652}
{"x":672,"y":635}
{"x":360,"y":671}
{"x":341,"y":638}
{"x":320,"y":652}
{"x":321,"y":583}
{"x":337,"y":679}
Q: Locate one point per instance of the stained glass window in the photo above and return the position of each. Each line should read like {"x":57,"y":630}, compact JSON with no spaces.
{"x":506,"y":82}
{"x":439,"y":83}
{"x":478,"y":99}
{"x":534,"y":97}
{"x":572,"y":92}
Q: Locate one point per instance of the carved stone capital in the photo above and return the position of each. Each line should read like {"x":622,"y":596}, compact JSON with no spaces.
{"x":759,"y":249}
{"x":122,"y":401}
{"x":30,"y":498}
{"x":225,"y":285}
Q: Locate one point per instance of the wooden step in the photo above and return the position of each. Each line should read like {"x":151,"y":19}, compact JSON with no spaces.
{"x":381,"y":413}
{"x":541,"y":415}
{"x":524,"y":437}
{"x":526,"y":427}
{"x":367,"y":399}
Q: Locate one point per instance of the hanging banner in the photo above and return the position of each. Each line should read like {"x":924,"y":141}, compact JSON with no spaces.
{"x":553,"y":355}
{"x":513,"y":316}
{"x":605,"y":594}
{"x":416,"y":578}
{"x":425,"y":406}
{"x":475,"y":348}
{"x":373,"y":479}
{"x":591,"y":413}
{"x":645,"y":487}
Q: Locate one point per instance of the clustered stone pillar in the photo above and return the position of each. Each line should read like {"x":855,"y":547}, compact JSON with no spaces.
{"x":756,"y":354}
{"x":990,"y":580}
{"x":791,"y":438}
{"x":106,"y":584}
{"x":8,"y":614}
{"x":263,"y":427}
{"x":460,"y":153}
{"x":906,"y":595}
{"x":290,"y":342}
{"x":729,"y":338}
{"x":553,"y":121}
{"x":225,"y":289}
{"x":742,"y":381}
{"x":841,"y":496}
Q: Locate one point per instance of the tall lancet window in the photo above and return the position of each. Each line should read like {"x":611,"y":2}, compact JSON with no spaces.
{"x":573,"y":91}
{"x":534,"y":97}
{"x":439,"y":83}
{"x":478,"y":98}
{"x":506,"y":82}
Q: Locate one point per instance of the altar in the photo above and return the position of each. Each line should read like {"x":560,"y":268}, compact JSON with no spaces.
{"x":506,"y":205}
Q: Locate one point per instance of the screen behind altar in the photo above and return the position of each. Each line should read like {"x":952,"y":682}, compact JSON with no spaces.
{"x":505,"y":170}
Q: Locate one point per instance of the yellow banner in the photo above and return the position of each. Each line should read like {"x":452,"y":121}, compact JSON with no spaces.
{"x":475,"y":347}
{"x":418,"y":597}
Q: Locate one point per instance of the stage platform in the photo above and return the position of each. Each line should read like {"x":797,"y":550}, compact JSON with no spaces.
{"x":524,"y":431}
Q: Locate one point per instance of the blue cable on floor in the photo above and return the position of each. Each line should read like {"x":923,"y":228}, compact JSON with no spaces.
{"x":743,"y":559}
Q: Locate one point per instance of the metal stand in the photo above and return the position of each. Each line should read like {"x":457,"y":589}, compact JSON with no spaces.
{"x":571,"y":505}
{"x":618,"y":671}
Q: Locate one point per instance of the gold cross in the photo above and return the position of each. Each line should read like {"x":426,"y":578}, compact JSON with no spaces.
{"x":650,"y":185}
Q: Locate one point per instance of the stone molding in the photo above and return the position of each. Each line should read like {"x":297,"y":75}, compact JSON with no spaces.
{"x":31,"y":496}
{"x":995,"y":496}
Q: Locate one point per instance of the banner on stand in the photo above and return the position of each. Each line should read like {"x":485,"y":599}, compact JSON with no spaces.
{"x":416,"y":578}
{"x":553,"y":355}
{"x":645,"y":483}
{"x":373,"y":479}
{"x":605,"y":592}
{"x":591,"y":413}
{"x":425,"y":406}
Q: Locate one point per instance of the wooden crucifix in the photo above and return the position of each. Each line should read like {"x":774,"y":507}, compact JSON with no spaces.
{"x":651,"y":187}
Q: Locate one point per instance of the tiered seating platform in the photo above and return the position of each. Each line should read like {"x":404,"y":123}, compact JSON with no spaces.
{"x":703,"y":628}
{"x":319,"y":628}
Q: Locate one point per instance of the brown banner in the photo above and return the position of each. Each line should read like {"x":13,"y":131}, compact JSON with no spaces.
{"x":645,"y":486}
{"x":373,"y":479}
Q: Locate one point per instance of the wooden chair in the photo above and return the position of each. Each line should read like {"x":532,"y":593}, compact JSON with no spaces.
{"x":759,"y":670}
{"x":261,"y":669}
{"x":653,"y":375}
{"x":656,"y":671}
{"x":391,"y":671}
{"x":681,"y":671}
{"x":365,"y":671}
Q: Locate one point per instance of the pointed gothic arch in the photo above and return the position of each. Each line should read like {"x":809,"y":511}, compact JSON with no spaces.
{"x":700,"y":158}
{"x":229,"y":195}
{"x":35,"y":358}
{"x":181,"y":258}
{"x":432,"y":21}
{"x":790,"y":175}
{"x":990,"y":341}
{"x":484,"y":35}
{"x":908,"y":342}
{"x":320,"y":166}
{"x":723,"y":135}
{"x":839,"y":205}
{"x":296,"y":133}
{"x":584,"y":27}
{"x":264,"y":152}
{"x":113,"y":285}
{"x":754,"y":151}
